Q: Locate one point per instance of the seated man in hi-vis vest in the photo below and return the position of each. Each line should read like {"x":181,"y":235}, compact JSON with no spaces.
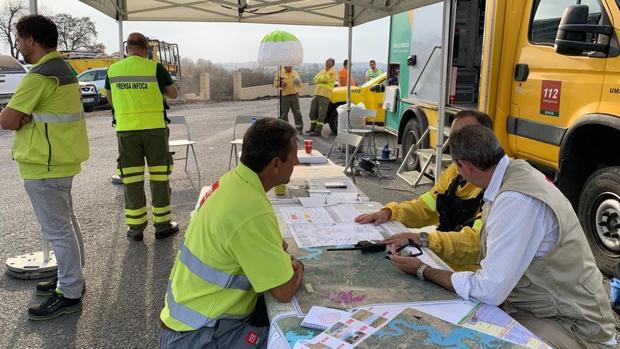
{"x":233,"y":251}
{"x":135,"y":88}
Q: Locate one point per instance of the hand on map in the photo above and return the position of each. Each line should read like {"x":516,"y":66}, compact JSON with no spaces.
{"x":407,"y":264}
{"x":401,"y":239}
{"x":379,"y":217}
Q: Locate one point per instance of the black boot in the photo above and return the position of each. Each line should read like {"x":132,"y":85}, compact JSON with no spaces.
{"x":54,"y":306}
{"x":47,"y":288}
{"x":172,"y":229}
{"x":135,"y":234}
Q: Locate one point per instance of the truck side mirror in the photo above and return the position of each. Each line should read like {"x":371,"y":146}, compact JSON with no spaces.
{"x":571,"y":39}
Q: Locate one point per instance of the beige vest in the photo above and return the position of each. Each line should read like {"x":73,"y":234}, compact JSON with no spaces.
{"x":565,"y":284}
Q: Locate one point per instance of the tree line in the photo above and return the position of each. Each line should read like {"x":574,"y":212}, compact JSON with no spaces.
{"x":74,"y":33}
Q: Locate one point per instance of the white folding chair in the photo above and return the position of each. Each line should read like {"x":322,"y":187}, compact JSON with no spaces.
{"x":347,"y":139}
{"x":239,"y":120}
{"x":187,"y":143}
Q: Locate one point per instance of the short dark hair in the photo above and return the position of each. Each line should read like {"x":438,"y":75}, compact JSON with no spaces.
{"x":483,"y":118}
{"x":263,"y":141}
{"x":372,"y":61}
{"x":476,"y":144}
{"x":137,"y":40}
{"x":345,"y":62}
{"x":40,"y":28}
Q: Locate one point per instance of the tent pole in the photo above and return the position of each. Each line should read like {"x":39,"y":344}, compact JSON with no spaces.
{"x":443,"y":78}
{"x":350,"y":45}
{"x":34,"y":7}
{"x":121,"y":45}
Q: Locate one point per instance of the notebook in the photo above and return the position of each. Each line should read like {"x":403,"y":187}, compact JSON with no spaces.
{"x":321,"y":318}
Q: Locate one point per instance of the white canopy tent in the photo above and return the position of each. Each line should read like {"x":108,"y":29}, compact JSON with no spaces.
{"x":337,"y":13}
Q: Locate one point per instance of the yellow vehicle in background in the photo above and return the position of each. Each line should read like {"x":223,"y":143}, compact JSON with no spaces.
{"x":370,"y":93}
{"x":159,"y":51}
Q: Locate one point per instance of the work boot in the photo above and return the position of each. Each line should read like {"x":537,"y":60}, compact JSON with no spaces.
{"x":135,"y":234}
{"x":310,"y":130}
{"x":172,"y":229}
{"x":46,"y":288}
{"x":116,"y":180}
{"x":54,"y":306}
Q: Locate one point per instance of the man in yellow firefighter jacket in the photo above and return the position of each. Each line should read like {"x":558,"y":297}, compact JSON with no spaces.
{"x":452,"y":203}
{"x":136,"y":87}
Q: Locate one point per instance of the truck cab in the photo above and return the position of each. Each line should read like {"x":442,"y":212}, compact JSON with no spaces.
{"x":548,"y":73}
{"x":370,"y":93}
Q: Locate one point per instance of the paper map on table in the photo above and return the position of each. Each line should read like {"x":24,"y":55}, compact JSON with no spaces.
{"x":350,"y":279}
{"x":349,"y":332}
{"x":312,"y":215}
{"x":424,"y":331}
{"x":494,"y":321}
{"x":325,"y":234}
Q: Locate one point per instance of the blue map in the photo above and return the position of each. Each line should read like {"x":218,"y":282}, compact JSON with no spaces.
{"x":414,"y":329}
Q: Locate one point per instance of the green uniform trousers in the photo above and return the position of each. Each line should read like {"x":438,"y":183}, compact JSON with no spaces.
{"x":318,"y":112}
{"x":291,"y":102}
{"x":133,"y":147}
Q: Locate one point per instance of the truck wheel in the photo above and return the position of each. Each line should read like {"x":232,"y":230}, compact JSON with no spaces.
{"x":332,"y":116}
{"x":411,"y":135}
{"x":599,"y":213}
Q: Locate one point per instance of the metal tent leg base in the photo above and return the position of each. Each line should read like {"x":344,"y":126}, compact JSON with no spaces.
{"x":32,"y":266}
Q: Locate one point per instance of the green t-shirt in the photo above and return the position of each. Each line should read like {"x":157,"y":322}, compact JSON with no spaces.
{"x":235,"y":232}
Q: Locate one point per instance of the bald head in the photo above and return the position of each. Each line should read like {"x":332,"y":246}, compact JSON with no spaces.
{"x":137,"y":44}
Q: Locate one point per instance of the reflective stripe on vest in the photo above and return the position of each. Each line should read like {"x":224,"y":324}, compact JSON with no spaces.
{"x":478,"y":225}
{"x":189,"y":316}
{"x":133,"y":79}
{"x":430,"y":201}
{"x":58,"y":118}
{"x":211,"y":275}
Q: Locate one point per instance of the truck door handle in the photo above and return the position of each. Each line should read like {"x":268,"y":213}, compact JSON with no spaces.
{"x":521,"y":72}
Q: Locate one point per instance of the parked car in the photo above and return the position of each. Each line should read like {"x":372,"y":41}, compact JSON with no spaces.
{"x":90,"y":96}
{"x":11,"y":73}
{"x":89,"y":79}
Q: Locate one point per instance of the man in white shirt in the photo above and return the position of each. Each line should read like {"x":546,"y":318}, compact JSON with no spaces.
{"x":535,"y":257}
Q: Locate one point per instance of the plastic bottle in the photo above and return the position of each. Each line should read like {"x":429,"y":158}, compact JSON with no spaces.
{"x":253,"y":120}
{"x":385,"y":153}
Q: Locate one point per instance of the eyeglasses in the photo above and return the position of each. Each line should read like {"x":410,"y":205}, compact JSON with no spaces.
{"x":413,"y":244}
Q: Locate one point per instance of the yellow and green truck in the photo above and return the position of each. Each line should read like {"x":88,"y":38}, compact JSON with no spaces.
{"x":548,"y":73}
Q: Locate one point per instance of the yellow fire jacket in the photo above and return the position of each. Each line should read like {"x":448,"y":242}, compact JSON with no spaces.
{"x":460,"y":249}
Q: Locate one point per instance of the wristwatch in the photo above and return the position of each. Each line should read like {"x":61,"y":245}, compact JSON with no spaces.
{"x":423,"y":239}
{"x":420,"y":272}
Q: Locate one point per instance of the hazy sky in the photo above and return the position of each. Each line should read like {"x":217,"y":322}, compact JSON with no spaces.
{"x":234,"y":42}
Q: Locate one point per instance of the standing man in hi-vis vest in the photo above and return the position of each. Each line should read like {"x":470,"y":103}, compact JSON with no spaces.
{"x":135,"y":89}
{"x":50,"y":145}
{"x":324,"y":80}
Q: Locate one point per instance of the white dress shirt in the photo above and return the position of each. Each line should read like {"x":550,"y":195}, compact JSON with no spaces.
{"x":518,"y":228}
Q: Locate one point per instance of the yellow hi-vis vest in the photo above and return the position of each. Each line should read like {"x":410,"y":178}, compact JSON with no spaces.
{"x":138,"y":102}
{"x":55,"y":143}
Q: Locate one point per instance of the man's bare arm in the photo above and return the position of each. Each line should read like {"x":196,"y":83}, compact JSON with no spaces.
{"x":285,"y":292}
{"x":11,"y":119}
{"x":440,"y":277}
{"x":171,"y":91}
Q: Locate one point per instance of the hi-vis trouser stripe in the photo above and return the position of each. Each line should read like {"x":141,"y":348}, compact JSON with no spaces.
{"x":131,"y":174}
{"x":161,"y":214}
{"x":160,"y":173}
{"x":136,"y":217}
{"x":429,"y":200}
{"x":133,"y":79}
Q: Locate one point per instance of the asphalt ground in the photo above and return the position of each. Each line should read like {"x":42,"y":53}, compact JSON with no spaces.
{"x":126,"y":281}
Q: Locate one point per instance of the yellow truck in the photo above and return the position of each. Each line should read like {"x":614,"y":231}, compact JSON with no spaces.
{"x":370,"y":93}
{"x":159,"y":51}
{"x":547,"y":71}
